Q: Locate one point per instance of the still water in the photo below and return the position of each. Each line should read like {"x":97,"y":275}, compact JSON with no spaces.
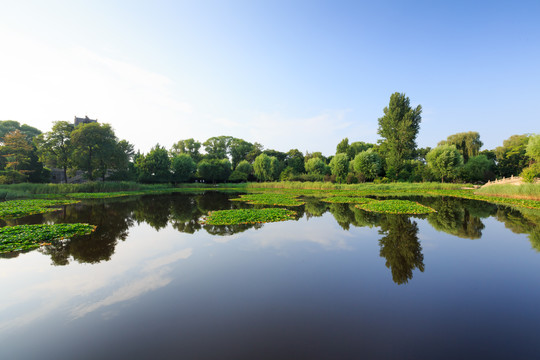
{"x":336,"y":283}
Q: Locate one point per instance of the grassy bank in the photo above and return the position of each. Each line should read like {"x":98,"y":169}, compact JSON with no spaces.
{"x":524,"y":191}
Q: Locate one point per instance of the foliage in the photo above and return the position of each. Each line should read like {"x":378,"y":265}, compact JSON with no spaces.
{"x":248,"y":216}
{"x":217,"y":147}
{"x":511,"y":156}
{"x":445,"y":161}
{"x":214,"y":170}
{"x":19,"y":208}
{"x":399,"y":127}
{"x":395,"y":207}
{"x":295,"y":161}
{"x":27,"y":237}
{"x":531,"y":173}
{"x":467,"y":143}
{"x":54,"y":147}
{"x":348,"y":200}
{"x":183,"y":167}
{"x":239,"y":149}
{"x":188,"y":146}
{"x":339,"y":166}
{"x":316,"y":165}
{"x":154,"y":167}
{"x":477,"y":168}
{"x":343,"y":146}
{"x":262,"y":167}
{"x":368,"y":163}
{"x":94,"y":147}
{"x":8,"y":126}
{"x":270,"y":199}
{"x":533,"y":148}
{"x":16,"y":149}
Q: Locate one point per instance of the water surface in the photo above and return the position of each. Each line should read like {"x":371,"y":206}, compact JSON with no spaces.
{"x":337,"y":282}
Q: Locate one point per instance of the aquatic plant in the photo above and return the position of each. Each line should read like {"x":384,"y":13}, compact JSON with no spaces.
{"x":248,"y":216}
{"x":19,"y":208}
{"x":348,"y":200}
{"x":27,"y":237}
{"x":396,"y":207}
{"x":270,"y":199}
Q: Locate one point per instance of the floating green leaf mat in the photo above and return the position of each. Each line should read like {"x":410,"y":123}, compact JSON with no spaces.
{"x":348,"y":200}
{"x":270,"y":199}
{"x":396,"y":207}
{"x":27,"y":237}
{"x":19,"y":208}
{"x":248,"y":216}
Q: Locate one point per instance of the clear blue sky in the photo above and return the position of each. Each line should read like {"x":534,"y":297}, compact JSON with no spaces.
{"x":288,"y":74}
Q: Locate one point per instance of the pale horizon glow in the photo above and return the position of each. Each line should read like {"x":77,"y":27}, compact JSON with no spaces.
{"x":159,"y":73}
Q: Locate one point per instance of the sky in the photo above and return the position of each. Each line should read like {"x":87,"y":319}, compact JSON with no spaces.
{"x":287,"y":74}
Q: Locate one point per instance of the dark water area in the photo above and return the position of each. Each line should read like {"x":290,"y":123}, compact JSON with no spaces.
{"x":335,"y":283}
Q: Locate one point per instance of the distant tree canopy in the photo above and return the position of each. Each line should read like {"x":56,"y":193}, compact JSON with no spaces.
{"x":467,"y":143}
{"x":445,"y":161}
{"x":511,"y":156}
{"x":8,"y":126}
{"x":399,"y":127}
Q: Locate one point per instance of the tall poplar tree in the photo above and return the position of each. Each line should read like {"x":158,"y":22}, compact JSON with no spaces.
{"x":399,"y":127}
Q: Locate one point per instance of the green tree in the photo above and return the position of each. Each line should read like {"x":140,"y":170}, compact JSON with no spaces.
{"x":316,"y":166}
{"x":295,"y":160}
{"x":343,"y":146}
{"x":368,"y":163}
{"x":339,"y":166}
{"x":16,"y":150}
{"x":238,"y":150}
{"x":214,"y":170}
{"x":399,"y":127}
{"x":533,"y":148}
{"x":54,"y":147}
{"x":217,"y":147}
{"x":357,"y":147}
{"x":154,"y":167}
{"x":477,"y":168}
{"x":467,"y":143}
{"x":445,"y":161}
{"x":187,"y":146}
{"x":183,"y":167}
{"x":94,"y":147}
{"x":512,"y":155}
{"x":242,"y":172}
{"x":262,"y":167}
{"x":8,"y":126}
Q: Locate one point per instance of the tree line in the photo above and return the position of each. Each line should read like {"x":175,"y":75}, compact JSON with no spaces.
{"x":93,"y":149}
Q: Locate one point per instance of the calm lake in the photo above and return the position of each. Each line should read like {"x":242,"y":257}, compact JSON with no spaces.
{"x":336,"y":283}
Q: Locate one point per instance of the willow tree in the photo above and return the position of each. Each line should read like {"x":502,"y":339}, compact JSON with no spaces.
{"x":399,"y":127}
{"x":467,"y":143}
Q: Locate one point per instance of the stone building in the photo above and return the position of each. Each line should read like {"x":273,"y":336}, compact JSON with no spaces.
{"x":84,"y":120}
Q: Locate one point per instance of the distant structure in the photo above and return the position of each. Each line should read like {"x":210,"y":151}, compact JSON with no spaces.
{"x":84,"y":120}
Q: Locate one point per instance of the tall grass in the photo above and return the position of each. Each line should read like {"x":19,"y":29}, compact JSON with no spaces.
{"x":355,"y":187}
{"x":28,"y":190}
{"x":523,"y":191}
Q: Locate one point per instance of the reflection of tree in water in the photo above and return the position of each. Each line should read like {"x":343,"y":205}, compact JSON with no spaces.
{"x":343,"y":214}
{"x":400,"y":247}
{"x":314,"y":207}
{"x":185,"y":214}
{"x":524,"y":221}
{"x":153,"y":210}
{"x":459,"y":217}
{"x":113,"y":221}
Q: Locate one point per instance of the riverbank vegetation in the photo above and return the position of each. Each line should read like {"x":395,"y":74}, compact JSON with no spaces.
{"x":91,"y":151}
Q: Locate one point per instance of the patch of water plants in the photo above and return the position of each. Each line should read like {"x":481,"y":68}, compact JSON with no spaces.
{"x":270,"y":199}
{"x":28,"y":237}
{"x":348,"y":200}
{"x":248,"y":216}
{"x":19,"y":208}
{"x":395,"y":207}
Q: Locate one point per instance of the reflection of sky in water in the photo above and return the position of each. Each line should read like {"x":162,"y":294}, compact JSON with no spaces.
{"x":288,"y":282}
{"x":139,"y":265}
